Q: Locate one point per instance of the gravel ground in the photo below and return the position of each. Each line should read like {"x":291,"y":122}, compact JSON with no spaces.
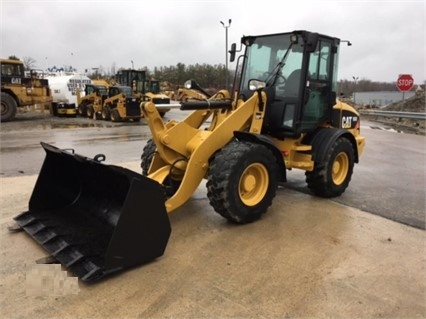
{"x":414,"y":104}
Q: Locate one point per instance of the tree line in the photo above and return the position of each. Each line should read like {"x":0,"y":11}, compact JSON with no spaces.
{"x":213,"y":77}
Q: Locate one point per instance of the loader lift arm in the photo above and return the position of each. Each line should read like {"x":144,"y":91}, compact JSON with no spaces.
{"x":188,"y":157}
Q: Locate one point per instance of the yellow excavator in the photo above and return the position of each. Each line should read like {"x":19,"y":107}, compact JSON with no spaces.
{"x":97,"y":219}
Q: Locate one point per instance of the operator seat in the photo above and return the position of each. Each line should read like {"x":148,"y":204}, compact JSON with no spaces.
{"x":292,"y":84}
{"x":281,"y":112}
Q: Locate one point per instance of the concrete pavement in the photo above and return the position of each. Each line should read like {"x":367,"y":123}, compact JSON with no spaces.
{"x":306,"y":258}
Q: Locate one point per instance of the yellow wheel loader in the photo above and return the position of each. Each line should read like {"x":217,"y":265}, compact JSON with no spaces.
{"x":191,"y":91}
{"x":97,"y":219}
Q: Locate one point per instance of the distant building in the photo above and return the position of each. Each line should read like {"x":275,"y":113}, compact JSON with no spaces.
{"x":380,"y":98}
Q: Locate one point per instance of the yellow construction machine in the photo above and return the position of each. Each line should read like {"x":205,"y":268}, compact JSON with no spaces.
{"x":109,"y":102}
{"x":122,"y":104}
{"x":153,"y":93}
{"x":145,"y":89}
{"x":91,"y":103}
{"x":97,"y":219}
{"x":191,"y":91}
{"x":18,"y":90}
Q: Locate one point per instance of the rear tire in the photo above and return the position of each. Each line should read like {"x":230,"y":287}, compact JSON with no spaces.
{"x":242,"y":181}
{"x":331,"y":177}
{"x":115,"y":116}
{"x":9,"y":107}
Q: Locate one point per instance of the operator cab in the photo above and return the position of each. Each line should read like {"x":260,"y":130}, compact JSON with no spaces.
{"x":298,"y":72}
{"x":122,"y":89}
{"x":100,"y":90}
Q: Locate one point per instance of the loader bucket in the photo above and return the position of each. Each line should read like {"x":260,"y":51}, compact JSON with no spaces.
{"x":95,"y":219}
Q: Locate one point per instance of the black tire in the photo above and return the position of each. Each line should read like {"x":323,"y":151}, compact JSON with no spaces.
{"x":54,"y":108}
{"x":147,"y":155}
{"x":170,"y":184}
{"x":9,"y":107}
{"x":82,"y":109}
{"x":106,"y":115}
{"x":331,"y":177}
{"x":242,"y":181}
{"x":115,"y":116}
{"x":90,"y":111}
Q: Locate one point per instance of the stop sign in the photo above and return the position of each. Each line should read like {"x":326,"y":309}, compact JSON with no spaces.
{"x":405,"y":82}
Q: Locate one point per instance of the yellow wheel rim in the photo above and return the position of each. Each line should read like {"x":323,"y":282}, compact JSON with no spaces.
{"x":340,"y":168}
{"x":253,"y":184}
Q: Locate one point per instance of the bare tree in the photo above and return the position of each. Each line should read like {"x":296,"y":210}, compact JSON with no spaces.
{"x":29,"y":63}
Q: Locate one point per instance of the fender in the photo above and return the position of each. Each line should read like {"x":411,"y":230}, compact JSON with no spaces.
{"x":322,"y":139}
{"x":264,"y":140}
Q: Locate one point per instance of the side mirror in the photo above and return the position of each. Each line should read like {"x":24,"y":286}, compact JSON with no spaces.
{"x":311,"y":42}
{"x":188,"y":84}
{"x":255,"y":85}
{"x":232,"y":52}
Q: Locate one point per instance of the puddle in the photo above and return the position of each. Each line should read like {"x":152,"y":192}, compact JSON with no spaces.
{"x":37,"y":121}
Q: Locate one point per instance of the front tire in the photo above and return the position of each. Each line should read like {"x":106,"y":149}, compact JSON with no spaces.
{"x":106,"y":114}
{"x":147,"y":155}
{"x":9,"y":107}
{"x":331,"y":177}
{"x":170,"y":184}
{"x":90,"y":111}
{"x":82,"y":109}
{"x":242,"y":181}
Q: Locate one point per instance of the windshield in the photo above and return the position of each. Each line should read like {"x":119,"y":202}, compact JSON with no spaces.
{"x":103,"y":90}
{"x":11,"y":69}
{"x":266,"y":59}
{"x":127,"y":91}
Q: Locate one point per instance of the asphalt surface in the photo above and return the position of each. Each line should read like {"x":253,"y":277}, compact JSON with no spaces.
{"x":389,"y":180}
{"x":308,"y":257}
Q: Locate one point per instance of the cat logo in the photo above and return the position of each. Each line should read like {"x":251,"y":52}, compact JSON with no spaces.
{"x":349,"y":121}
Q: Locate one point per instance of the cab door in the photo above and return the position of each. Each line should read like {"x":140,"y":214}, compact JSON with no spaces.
{"x":320,"y":89}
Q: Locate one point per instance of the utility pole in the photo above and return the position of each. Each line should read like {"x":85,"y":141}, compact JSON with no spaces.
{"x":226,"y":50}
{"x":355,"y":80}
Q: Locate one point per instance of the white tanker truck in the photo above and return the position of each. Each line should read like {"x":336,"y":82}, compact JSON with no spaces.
{"x":64,"y":87}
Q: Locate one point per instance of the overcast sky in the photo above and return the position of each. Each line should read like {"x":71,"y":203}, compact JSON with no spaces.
{"x":388,"y":37}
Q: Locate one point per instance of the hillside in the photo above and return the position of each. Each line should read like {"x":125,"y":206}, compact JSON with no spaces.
{"x":417,"y":103}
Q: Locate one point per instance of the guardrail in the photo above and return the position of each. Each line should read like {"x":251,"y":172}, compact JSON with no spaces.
{"x":396,"y":114}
